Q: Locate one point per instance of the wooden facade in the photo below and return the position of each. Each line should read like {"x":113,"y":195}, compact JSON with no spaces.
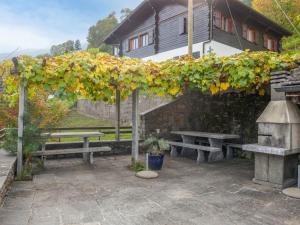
{"x":163,"y":23}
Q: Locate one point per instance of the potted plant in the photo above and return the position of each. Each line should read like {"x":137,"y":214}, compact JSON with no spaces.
{"x":156,"y":148}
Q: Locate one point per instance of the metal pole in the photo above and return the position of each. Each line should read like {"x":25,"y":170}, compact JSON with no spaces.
{"x":135,"y":126}
{"x":20,"y":127}
{"x":298,"y":176}
{"x":190,"y":26}
{"x":147,"y":161}
{"x":118,"y":115}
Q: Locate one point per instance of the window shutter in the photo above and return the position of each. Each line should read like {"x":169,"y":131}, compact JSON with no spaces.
{"x":245,"y":31}
{"x":217,"y":18}
{"x":230,"y":25}
{"x":257,"y":36}
{"x":140,"y":41}
{"x":127,"y":43}
{"x":182,"y":25}
{"x":151,"y":36}
{"x":276,"y":45}
{"x":265,"y":41}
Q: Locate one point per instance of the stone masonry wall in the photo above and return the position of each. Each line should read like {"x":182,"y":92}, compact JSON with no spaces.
{"x":228,"y":113}
{"x":7,"y":173}
{"x":105,"y":111}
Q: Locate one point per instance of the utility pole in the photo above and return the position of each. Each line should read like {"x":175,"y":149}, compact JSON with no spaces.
{"x":190,"y":26}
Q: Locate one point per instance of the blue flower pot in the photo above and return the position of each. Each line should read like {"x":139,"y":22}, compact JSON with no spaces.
{"x":156,"y":162}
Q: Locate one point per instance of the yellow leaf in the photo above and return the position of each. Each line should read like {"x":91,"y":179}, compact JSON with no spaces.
{"x":214,"y":89}
{"x":224,"y":86}
{"x":262,"y":92}
{"x":174,"y":90}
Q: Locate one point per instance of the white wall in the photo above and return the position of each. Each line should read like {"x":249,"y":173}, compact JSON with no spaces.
{"x":213,"y":46}
{"x":221,"y":49}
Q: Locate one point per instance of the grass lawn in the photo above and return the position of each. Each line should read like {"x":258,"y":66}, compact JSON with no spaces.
{"x":75,"y":119}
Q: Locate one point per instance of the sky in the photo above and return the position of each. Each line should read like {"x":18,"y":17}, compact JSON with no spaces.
{"x":38,"y":24}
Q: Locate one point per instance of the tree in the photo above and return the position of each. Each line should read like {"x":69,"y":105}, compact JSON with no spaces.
{"x":292,"y":8}
{"x":98,"y":32}
{"x":124,"y":13}
{"x":77,"y":45}
{"x":63,"y":48}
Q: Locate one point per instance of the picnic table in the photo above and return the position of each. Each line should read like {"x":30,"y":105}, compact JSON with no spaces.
{"x":87,"y":151}
{"x":215,"y":141}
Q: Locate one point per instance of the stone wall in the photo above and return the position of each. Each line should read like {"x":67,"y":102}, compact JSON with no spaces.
{"x":230,"y":113}
{"x":7,"y":173}
{"x":105,"y":111}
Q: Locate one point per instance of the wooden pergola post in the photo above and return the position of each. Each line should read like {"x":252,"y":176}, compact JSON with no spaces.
{"x":20,"y":128}
{"x":118,"y":115}
{"x":22,"y":102}
{"x":135,"y":127}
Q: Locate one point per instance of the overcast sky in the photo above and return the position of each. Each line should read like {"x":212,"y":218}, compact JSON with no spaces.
{"x":37,"y":24}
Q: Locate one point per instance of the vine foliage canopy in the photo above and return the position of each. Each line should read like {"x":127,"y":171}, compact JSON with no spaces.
{"x":97,"y":76}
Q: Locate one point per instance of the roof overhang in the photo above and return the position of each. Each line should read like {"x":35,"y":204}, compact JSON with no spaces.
{"x":259,"y":18}
{"x":149,"y":6}
{"x":140,"y":12}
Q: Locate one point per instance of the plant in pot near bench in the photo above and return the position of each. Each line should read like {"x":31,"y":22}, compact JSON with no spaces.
{"x":156,"y":149}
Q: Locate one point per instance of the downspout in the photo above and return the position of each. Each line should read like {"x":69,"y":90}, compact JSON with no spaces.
{"x":210,"y":35}
{"x":156,"y":30}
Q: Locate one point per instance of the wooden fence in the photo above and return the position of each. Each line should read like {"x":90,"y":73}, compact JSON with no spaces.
{"x":108,"y":131}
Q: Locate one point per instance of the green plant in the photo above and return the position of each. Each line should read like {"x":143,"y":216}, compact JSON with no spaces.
{"x":156,"y":146}
{"x":26,"y":173}
{"x":137,"y":167}
{"x":97,"y":76}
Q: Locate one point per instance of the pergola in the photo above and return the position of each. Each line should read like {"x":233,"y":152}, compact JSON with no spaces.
{"x":22,"y":103}
{"x":99,"y":76}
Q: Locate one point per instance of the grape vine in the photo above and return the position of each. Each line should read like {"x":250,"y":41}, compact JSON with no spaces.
{"x":96,"y":76}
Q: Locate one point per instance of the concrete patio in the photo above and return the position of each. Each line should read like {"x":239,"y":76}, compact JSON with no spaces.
{"x":69,"y":192}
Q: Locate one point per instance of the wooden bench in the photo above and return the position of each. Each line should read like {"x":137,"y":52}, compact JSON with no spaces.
{"x":89,"y":151}
{"x":200,"y":149}
{"x":229,"y":149}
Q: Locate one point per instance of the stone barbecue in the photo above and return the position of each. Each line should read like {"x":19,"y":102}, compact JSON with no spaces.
{"x":278,"y":148}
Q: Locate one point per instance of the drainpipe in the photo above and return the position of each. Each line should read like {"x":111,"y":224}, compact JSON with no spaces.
{"x":156,"y":30}
{"x":210,"y":36}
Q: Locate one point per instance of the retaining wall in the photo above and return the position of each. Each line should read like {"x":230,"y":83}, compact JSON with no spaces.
{"x":7,"y":173}
{"x":106,"y":111}
{"x":228,"y":113}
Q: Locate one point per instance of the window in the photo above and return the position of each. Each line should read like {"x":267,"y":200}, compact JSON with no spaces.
{"x":223,"y":22}
{"x":134,"y":43}
{"x":250,"y":34}
{"x":270,"y":43}
{"x":144,"y":40}
{"x":116,"y":51}
{"x":183,"y":25}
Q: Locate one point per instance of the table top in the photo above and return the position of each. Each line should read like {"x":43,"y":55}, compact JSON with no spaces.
{"x":206,"y":135}
{"x":73,"y":135}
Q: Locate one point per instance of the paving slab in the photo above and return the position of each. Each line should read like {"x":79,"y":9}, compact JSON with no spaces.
{"x":69,"y":192}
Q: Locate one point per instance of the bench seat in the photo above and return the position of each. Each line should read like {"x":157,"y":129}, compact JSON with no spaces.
{"x":229,"y":149}
{"x":88,"y":151}
{"x":200,"y":149}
